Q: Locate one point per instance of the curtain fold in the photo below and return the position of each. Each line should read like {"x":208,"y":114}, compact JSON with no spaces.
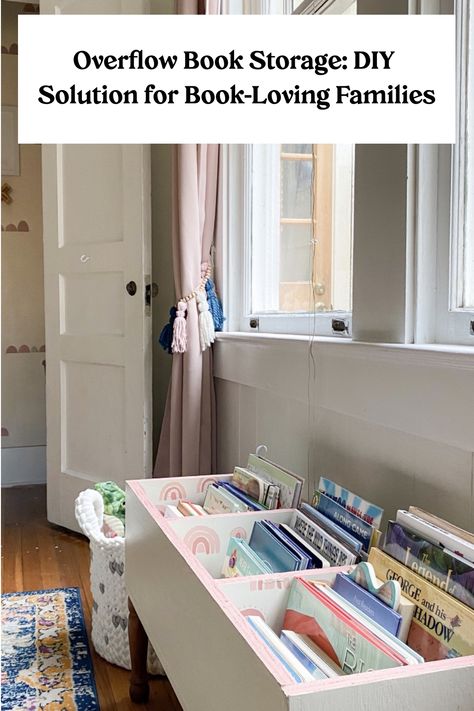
{"x":187,"y":442}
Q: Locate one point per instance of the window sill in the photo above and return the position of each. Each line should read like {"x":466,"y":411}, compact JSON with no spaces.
{"x":405,"y":353}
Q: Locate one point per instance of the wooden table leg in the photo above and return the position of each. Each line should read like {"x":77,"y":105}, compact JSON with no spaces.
{"x":139,"y":690}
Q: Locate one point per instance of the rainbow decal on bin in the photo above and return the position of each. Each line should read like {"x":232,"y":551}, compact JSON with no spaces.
{"x":172,"y":492}
{"x":239,"y":533}
{"x":252,"y":612}
{"x":205,"y":483}
{"x":202,"y":539}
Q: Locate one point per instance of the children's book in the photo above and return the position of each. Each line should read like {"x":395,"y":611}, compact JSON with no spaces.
{"x":442,"y":627}
{"x":435,"y":534}
{"x":277,"y":531}
{"x":290,"y":485}
{"x":256,"y":487}
{"x":441,"y":523}
{"x":351,"y":523}
{"x":368,"y":512}
{"x":438,"y":565}
{"x":372,"y":606}
{"x":317,"y":560}
{"x":280,"y":651}
{"x":304,"y":645}
{"x":303,"y":656}
{"x":241,"y":560}
{"x":408,"y":655}
{"x":171,"y":511}
{"x":388,"y":592}
{"x":340,"y":635}
{"x":219,"y":501}
{"x":272,"y":551}
{"x":186,"y":508}
{"x":252,"y":504}
{"x":329,"y":547}
{"x":333,"y":529}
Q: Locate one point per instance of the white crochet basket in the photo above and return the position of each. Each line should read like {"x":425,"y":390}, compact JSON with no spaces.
{"x":110,"y":602}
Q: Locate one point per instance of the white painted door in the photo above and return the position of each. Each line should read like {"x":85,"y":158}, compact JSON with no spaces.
{"x":96,"y":202}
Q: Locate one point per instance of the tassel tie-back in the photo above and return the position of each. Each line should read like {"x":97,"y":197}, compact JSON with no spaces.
{"x":206,"y":324}
{"x":215,"y":305}
{"x":173,"y":337}
{"x":166,"y":335}
{"x":180,"y":339}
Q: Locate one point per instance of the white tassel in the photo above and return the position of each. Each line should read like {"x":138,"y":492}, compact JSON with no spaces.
{"x":206,"y":324}
{"x":180,"y":341}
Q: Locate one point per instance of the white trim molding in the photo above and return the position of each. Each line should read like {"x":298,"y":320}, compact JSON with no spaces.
{"x":23,"y":466}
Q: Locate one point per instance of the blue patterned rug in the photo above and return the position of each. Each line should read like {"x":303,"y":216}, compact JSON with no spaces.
{"x":46,"y":663}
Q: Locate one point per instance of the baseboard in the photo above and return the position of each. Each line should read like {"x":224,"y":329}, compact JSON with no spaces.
{"x":23,"y":465}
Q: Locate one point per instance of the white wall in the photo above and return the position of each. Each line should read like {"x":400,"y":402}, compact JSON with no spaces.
{"x":393,"y":423}
{"x":23,"y":357}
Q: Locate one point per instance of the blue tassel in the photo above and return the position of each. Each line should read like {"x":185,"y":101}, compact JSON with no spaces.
{"x":166,"y":335}
{"x":215,"y":305}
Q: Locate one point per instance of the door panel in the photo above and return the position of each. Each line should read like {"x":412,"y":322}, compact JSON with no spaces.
{"x":97,"y":239}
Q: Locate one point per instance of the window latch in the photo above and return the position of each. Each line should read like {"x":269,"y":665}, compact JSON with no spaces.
{"x":340,"y":325}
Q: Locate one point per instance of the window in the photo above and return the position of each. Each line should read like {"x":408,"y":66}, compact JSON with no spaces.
{"x":300,"y":232}
{"x":291,"y":215}
{"x":451,"y":319}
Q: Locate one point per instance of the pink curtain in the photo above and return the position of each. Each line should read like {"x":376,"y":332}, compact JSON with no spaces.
{"x":187,"y":441}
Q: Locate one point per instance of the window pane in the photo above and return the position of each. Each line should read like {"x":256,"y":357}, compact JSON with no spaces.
{"x":296,"y":178}
{"x":298,"y":148}
{"x":295,"y":253}
{"x":301,"y":199}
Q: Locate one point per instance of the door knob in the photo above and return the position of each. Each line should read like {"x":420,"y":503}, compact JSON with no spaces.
{"x":131,"y":288}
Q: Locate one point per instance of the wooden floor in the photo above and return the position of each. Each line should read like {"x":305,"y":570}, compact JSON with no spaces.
{"x":37,"y":555}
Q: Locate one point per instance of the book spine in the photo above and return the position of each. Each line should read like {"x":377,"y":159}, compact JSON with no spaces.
{"x":432,"y":562}
{"x":327,"y":546}
{"x":442,"y":627}
{"x":348,"y":521}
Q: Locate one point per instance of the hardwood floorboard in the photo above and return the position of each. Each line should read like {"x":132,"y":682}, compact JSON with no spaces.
{"x":37,"y":555}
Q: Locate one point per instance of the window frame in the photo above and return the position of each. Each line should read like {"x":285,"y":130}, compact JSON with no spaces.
{"x":310,"y":323}
{"x":440,"y":205}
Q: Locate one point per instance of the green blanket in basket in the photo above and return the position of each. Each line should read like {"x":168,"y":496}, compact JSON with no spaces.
{"x":114,"y":499}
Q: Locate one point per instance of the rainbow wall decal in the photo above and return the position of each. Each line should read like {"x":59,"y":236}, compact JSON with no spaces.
{"x":172,"y":492}
{"x":202,"y":539}
{"x":22,"y":226}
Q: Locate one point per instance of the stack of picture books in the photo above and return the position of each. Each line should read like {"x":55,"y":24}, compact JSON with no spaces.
{"x":344,"y":629}
{"x":345,"y":516}
{"x":434,"y":562}
{"x":259,"y":486}
{"x":339,"y":532}
{"x":272,"y":548}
